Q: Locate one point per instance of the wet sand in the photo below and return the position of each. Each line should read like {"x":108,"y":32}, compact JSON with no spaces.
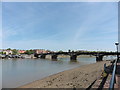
{"x":80,"y":77}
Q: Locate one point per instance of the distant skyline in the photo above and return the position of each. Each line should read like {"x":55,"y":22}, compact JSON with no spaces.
{"x":60,"y":26}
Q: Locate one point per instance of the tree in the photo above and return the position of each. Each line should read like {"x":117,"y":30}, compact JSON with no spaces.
{"x":1,"y":52}
{"x":14,"y":51}
{"x":69,"y":50}
{"x":4,"y":53}
{"x":9,"y":49}
{"x":29,"y":52}
{"x":60,"y":51}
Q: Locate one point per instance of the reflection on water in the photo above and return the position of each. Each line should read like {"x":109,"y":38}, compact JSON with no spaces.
{"x":17,"y":72}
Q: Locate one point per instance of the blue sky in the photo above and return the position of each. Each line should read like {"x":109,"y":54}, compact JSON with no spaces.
{"x":60,"y":26}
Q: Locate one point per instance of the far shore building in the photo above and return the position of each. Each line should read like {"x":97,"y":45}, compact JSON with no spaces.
{"x":81,"y":51}
{"x":7,"y":52}
{"x":39,"y":51}
{"x":21,"y":51}
{"x":1,"y":50}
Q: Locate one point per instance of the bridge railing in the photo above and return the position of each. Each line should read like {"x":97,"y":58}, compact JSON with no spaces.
{"x":113,"y":78}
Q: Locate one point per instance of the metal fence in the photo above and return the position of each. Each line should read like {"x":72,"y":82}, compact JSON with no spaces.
{"x":113,"y":78}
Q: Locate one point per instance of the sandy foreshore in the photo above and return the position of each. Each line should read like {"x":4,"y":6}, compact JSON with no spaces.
{"x":80,"y":77}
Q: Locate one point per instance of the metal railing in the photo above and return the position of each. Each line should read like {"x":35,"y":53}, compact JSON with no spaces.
{"x":113,"y":78}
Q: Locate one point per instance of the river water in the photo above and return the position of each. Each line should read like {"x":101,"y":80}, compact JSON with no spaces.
{"x":17,"y":72}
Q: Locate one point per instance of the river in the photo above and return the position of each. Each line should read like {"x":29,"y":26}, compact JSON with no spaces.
{"x":17,"y":72}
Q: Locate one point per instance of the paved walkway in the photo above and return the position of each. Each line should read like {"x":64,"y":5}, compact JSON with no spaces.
{"x":118,"y":74}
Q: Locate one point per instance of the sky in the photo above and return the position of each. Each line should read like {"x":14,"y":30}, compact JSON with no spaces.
{"x":119,"y":25}
{"x":60,"y":25}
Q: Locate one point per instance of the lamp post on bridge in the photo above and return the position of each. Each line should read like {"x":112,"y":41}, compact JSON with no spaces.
{"x":117,"y":50}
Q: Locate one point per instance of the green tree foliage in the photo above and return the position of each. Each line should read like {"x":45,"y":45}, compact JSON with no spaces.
{"x":9,"y":49}
{"x":29,"y":52}
{"x":14,"y":51}
{"x":1,"y":52}
{"x":60,"y":51}
{"x":69,"y":50}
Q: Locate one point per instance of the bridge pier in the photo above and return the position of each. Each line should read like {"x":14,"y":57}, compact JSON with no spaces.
{"x":54,"y":57}
{"x":36,"y":55}
{"x":42,"y":56}
{"x":99,"y":58}
{"x":73,"y":57}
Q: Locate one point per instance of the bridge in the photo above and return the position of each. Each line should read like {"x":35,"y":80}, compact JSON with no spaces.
{"x":73,"y":55}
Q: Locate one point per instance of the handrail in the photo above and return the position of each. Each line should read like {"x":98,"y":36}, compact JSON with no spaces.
{"x":112,"y":81}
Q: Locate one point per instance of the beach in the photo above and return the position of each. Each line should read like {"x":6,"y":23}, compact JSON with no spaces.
{"x":80,"y":77}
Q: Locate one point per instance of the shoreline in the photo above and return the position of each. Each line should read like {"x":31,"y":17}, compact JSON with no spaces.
{"x":80,"y":77}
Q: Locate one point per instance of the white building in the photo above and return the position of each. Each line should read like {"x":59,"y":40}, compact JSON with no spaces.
{"x":7,"y":52}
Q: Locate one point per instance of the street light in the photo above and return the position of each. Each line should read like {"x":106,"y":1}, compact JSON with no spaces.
{"x":117,"y":49}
